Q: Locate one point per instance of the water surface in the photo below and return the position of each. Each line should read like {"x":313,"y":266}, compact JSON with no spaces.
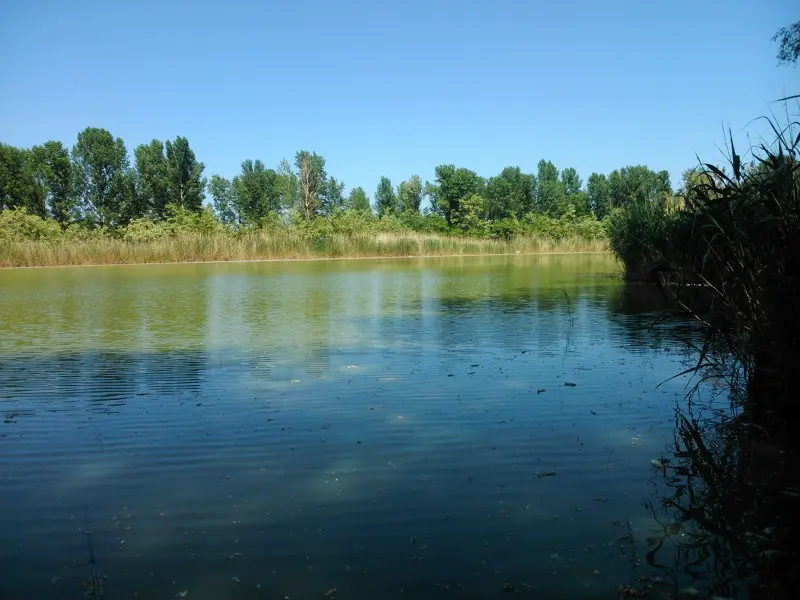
{"x":416,"y":428}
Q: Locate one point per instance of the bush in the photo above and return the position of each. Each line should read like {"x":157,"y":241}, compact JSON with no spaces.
{"x":18,"y":225}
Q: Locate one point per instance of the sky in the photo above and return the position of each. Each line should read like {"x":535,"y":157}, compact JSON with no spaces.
{"x":396,"y":88}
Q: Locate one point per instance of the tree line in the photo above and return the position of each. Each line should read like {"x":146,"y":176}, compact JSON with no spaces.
{"x":97,"y":184}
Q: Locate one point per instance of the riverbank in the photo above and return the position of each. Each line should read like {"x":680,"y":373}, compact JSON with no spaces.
{"x":275,"y":245}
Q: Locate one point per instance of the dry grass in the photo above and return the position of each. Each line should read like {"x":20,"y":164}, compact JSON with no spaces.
{"x":262,"y":245}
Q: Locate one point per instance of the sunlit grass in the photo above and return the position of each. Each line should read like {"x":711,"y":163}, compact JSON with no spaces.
{"x":272,"y":245}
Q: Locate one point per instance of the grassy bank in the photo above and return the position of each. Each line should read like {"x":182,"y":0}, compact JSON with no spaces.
{"x":198,"y":247}
{"x":29,"y":241}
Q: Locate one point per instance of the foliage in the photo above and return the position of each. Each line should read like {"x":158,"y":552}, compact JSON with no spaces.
{"x":100,"y":167}
{"x":598,"y":192}
{"x":311,"y":179}
{"x":17,"y":224}
{"x":453,"y":185}
{"x":185,"y":183}
{"x":358,"y":200}
{"x":789,"y":43}
{"x":18,"y":185}
{"x":53,"y":171}
{"x":409,"y":195}
{"x":253,"y":194}
{"x":151,"y":179}
{"x":509,"y":194}
{"x":332,"y":196}
{"x":385,"y":198}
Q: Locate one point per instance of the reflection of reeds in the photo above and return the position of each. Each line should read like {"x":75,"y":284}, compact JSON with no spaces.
{"x":729,"y":487}
{"x":94,"y":584}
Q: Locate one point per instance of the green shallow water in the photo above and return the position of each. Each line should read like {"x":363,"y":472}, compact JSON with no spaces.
{"x":264,"y":430}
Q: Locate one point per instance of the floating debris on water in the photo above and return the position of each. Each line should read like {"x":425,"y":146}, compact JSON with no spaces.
{"x":569,"y":384}
{"x":545,"y":474}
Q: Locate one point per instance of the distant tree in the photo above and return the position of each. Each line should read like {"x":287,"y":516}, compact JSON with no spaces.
{"x":789,"y":43}
{"x":358,"y":200}
{"x":19,"y":187}
{"x":509,"y":194}
{"x":385,"y":198}
{"x":598,"y":195}
{"x":185,"y":182}
{"x":222,"y":196}
{"x":255,"y":192}
{"x":332,"y":196}
{"x":551,"y":195}
{"x":470,"y":215}
{"x":451,"y":188}
{"x":53,"y":169}
{"x":409,"y":194}
{"x":102,"y":179}
{"x":288,"y":185}
{"x":152,"y":183}
{"x":638,"y":184}
{"x":574,"y":194}
{"x":312,"y":179}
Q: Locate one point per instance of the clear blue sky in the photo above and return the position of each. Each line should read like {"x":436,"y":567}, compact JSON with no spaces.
{"x":395,"y":88}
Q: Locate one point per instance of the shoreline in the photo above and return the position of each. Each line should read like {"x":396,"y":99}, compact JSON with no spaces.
{"x":303,"y":259}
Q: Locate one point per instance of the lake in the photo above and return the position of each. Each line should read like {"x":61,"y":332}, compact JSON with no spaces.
{"x":412,"y":428}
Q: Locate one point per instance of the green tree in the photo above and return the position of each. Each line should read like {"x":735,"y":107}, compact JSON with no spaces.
{"x":451,"y":188}
{"x":222,"y":197}
{"x":102,"y":179}
{"x":54,"y":171}
{"x":19,"y":186}
{"x":574,"y":195}
{"x":469,"y":217}
{"x":551,"y":197}
{"x":288,"y":185}
{"x":598,"y":195}
{"x":332,"y":196}
{"x":409,"y":194}
{"x":152,"y":182}
{"x":185,"y":182}
{"x":311,"y":180}
{"x":358,"y":200}
{"x":385,"y":198}
{"x":638,"y":183}
{"x":509,"y":194}
{"x":255,"y":192}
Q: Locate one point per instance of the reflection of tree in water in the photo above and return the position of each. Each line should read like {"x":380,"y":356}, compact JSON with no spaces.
{"x":727,"y":509}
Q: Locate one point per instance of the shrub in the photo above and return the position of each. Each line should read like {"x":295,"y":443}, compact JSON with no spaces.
{"x":18,"y":225}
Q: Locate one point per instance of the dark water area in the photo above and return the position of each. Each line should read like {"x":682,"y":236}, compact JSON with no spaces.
{"x":417,"y":428}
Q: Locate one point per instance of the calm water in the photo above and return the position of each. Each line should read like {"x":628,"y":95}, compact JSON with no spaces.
{"x":384,"y":429}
